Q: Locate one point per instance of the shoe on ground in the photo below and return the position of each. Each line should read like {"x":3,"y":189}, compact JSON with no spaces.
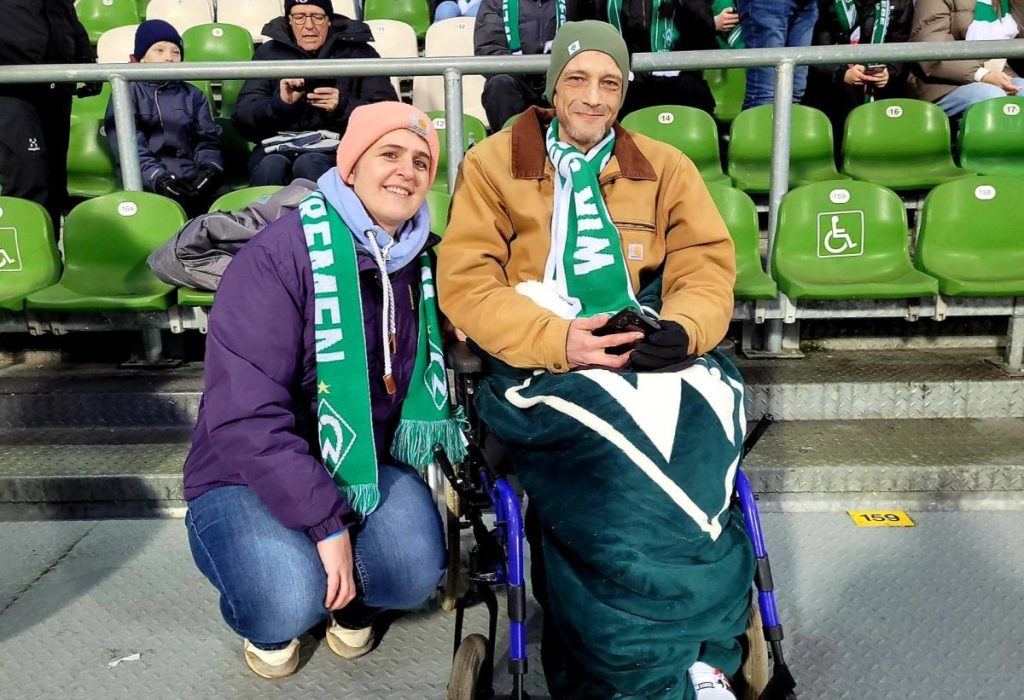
{"x":710,"y":683}
{"x":277,"y":663}
{"x":349,"y":644}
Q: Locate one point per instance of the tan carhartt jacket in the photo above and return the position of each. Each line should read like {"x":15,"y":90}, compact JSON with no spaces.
{"x":500,"y":231}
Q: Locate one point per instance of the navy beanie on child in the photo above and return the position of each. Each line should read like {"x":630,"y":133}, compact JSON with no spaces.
{"x":324,"y":5}
{"x":152,"y":31}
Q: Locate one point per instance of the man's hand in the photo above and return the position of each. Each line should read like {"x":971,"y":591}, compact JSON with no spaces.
{"x":584,"y":349}
{"x":336,"y":556}
{"x":325,"y":98}
{"x":1000,"y":80}
{"x":726,"y":20}
{"x":291,"y":90}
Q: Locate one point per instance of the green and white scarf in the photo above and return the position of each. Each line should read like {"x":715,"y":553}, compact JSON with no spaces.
{"x":992,"y":20}
{"x":846,"y":12}
{"x":734,"y":40}
{"x":344,"y":416}
{"x":585,"y":265}
{"x":664,"y":33}
{"x":510,"y":16}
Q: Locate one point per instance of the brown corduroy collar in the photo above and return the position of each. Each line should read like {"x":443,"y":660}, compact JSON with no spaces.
{"x":529,"y":153}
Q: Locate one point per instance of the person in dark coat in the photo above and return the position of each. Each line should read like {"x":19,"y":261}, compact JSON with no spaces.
{"x":281,"y":539}
{"x":35,"y":119}
{"x":506,"y":95}
{"x":689,"y":26}
{"x":174,"y":127}
{"x":268,"y":106}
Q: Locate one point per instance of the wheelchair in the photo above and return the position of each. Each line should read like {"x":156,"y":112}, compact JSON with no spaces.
{"x":474,"y":488}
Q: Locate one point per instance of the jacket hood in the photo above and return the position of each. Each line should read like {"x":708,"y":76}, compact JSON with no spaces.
{"x":342,"y":29}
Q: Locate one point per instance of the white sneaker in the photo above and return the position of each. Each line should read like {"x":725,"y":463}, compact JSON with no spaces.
{"x":710,"y":683}
{"x":277,"y":663}
{"x":349,"y":644}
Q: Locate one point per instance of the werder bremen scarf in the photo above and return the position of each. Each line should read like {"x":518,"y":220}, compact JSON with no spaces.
{"x":992,"y":20}
{"x":585,"y":263}
{"x":510,"y":16}
{"x":344,"y":415}
{"x":846,"y":12}
{"x":664,"y":33}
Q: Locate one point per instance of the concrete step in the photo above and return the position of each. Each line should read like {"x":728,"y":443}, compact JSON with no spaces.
{"x":933,"y":460}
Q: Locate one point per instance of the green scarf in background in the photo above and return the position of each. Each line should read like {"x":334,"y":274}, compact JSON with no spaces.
{"x":510,"y":16}
{"x":664,"y":33}
{"x":734,"y":40}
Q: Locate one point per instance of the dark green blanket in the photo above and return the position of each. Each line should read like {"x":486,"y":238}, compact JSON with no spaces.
{"x":631,"y":475}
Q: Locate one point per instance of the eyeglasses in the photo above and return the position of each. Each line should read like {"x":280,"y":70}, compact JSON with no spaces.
{"x":300,"y":18}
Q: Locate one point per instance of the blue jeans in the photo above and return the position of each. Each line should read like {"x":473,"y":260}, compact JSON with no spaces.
{"x":775,"y":24}
{"x":956,"y":102}
{"x":449,"y":9}
{"x":278,"y":169}
{"x":271,"y":582}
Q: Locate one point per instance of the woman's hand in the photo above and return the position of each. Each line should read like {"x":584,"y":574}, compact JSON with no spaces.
{"x":1000,"y":80}
{"x":854,"y":75}
{"x":726,"y":20}
{"x":325,"y":98}
{"x":336,"y":556}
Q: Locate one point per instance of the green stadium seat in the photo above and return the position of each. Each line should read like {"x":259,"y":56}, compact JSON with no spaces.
{"x":992,"y":137}
{"x":845,"y":240}
{"x":473,"y":132}
{"x":439,"y":203}
{"x":220,"y":42}
{"x":94,"y":107}
{"x":728,"y":86}
{"x":97,"y":16}
{"x":106,"y":243}
{"x":194,"y":297}
{"x":811,"y":156}
{"x":900,"y":144}
{"x":972,"y":236}
{"x":233,"y":201}
{"x":415,"y":13}
{"x":28,"y":252}
{"x":692,"y":131}
{"x":91,"y":170}
{"x":740,"y":215}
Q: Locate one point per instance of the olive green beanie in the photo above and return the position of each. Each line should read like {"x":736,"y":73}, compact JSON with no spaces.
{"x":589,"y":35}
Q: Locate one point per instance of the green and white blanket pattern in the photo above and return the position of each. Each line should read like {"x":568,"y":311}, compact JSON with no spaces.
{"x":648,"y":565}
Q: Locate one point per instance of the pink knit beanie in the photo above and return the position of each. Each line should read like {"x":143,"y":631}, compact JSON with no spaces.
{"x":369,"y":122}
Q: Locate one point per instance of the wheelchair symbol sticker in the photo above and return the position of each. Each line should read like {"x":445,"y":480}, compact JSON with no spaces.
{"x":10,"y":253}
{"x":127,"y":209}
{"x":839,"y":196}
{"x":840,"y":234}
{"x":1011,"y":110}
{"x":666,"y":118}
{"x":894,"y":112}
{"x":985,"y":192}
{"x":439,"y":123}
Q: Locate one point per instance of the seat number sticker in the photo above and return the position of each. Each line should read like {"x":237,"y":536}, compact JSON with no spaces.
{"x":881,"y":518}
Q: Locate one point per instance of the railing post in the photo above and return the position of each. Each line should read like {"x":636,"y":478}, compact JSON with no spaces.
{"x":453,"y":122}
{"x":781,"y":119}
{"x":124,"y":121}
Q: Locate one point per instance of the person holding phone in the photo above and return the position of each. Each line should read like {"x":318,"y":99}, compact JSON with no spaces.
{"x":267,"y":106}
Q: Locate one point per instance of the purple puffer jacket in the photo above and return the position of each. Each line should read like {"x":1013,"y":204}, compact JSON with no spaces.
{"x":257,"y":419}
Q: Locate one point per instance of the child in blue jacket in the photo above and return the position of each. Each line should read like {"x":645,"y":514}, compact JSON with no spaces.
{"x":175,"y":131}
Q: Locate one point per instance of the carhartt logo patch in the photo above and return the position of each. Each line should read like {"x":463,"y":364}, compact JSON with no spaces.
{"x":635,"y":251}
{"x":419,"y":126}
{"x":574,"y":47}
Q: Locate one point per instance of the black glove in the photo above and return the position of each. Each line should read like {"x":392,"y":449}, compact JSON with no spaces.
{"x":661,"y":348}
{"x":89,"y":89}
{"x":207,"y":178}
{"x":169,"y":186}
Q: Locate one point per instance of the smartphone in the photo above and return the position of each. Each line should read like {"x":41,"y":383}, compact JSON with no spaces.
{"x":311,"y":84}
{"x":873,"y":68}
{"x":629,"y":320}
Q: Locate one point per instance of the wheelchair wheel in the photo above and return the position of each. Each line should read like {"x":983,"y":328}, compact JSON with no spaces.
{"x":469,"y":659}
{"x":452,"y":511}
{"x":755,"y":671}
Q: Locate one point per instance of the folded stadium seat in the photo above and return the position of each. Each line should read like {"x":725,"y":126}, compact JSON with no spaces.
{"x":972,"y":236}
{"x":251,"y":14}
{"x":116,"y":45}
{"x":740,"y":215}
{"x":473,"y":132}
{"x":99,"y":16}
{"x":220,"y":42}
{"x":992,"y":137}
{"x":181,"y":14}
{"x":415,"y":13}
{"x":692,"y":131}
{"x":93,"y":107}
{"x":728,"y":85}
{"x":901,"y":144}
{"x":106,"y":243}
{"x":91,"y":170}
{"x":845,"y":240}
{"x":439,"y":203}
{"x":450,"y":37}
{"x":393,"y":39}
{"x":28,"y":252}
{"x":811,"y":157}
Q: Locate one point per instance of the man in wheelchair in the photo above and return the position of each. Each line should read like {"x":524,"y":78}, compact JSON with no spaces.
{"x":625,"y":429}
